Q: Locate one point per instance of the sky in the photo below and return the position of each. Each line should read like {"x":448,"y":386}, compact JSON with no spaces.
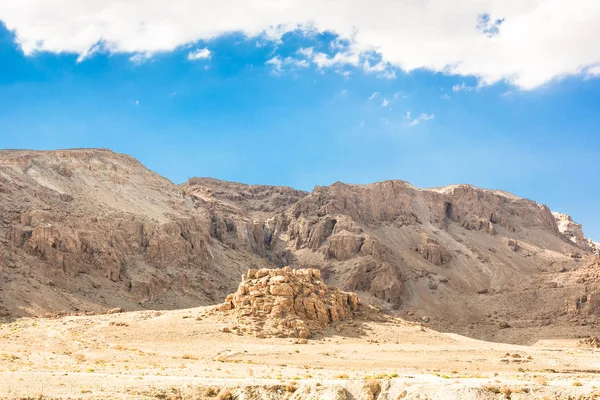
{"x":501,"y":94}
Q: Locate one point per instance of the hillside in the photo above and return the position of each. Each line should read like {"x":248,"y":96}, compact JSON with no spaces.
{"x":88,"y":230}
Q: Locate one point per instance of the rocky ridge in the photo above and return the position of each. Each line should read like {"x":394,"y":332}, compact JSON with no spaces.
{"x":87,"y":230}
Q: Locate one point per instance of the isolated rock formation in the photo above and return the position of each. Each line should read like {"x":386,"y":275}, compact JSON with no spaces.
{"x":289,"y":302}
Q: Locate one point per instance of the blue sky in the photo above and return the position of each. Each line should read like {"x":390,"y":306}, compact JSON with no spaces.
{"x":243,"y":111}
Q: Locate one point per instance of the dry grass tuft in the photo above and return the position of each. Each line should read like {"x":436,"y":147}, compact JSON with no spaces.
{"x":225,"y":394}
{"x":540,"y":380}
{"x":494,"y":389}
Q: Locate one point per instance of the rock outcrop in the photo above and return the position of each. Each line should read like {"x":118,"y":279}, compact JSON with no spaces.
{"x":289,"y":302}
{"x":573,"y":231}
{"x":586,"y":302}
{"x":592,"y":341}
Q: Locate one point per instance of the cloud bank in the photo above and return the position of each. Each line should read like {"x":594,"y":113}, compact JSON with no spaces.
{"x":526,"y":43}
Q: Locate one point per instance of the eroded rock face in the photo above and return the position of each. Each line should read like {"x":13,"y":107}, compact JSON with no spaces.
{"x":289,"y":302}
{"x":587,"y":302}
{"x":433,"y":252}
{"x":380,"y":279}
{"x":573,"y":231}
{"x":101,"y":226}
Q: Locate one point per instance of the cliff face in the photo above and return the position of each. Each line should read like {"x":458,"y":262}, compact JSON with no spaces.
{"x":91,"y":229}
{"x":574,"y":232}
{"x":478,"y":262}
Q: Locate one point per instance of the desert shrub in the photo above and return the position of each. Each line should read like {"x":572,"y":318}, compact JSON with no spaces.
{"x":291,"y":387}
{"x":225,"y":394}
{"x":493,"y":389}
{"x":540,"y":380}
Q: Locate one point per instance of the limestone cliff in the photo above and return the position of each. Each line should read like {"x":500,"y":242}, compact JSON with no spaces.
{"x":574,"y":232}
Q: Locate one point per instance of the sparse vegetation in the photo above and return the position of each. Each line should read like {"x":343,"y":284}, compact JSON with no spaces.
{"x":225,"y":394}
{"x":493,"y":388}
{"x":291,"y":387}
{"x":540,"y":380}
{"x":211,"y":392}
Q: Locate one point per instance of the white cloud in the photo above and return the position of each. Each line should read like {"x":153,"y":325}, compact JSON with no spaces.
{"x":527,"y":43}
{"x":200,"y":54}
{"x":340,"y":59}
{"x":385,"y":103}
{"x":139,"y":58}
{"x":593,"y":71}
{"x":374,"y":96}
{"x":137,"y":102}
{"x":277,"y":63}
{"x":344,"y":73}
{"x":410,"y":121}
{"x":298,"y":63}
{"x":445,"y":96}
{"x":305,"y":51}
{"x":463,"y":87}
{"x":400,"y":95}
{"x":381,"y":69}
{"x":388,"y":75}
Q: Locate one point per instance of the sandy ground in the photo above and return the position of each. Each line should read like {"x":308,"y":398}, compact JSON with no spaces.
{"x":151,"y":354}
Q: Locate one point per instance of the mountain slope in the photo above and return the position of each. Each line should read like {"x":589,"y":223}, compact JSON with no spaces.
{"x":91,"y":229}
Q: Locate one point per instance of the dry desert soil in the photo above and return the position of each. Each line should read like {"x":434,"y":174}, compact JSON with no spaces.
{"x":197,"y":354}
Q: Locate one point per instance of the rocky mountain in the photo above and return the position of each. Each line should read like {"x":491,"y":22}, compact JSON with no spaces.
{"x":87,"y":230}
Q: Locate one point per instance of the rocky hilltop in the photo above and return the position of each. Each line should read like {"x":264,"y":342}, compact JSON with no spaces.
{"x":88,"y":230}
